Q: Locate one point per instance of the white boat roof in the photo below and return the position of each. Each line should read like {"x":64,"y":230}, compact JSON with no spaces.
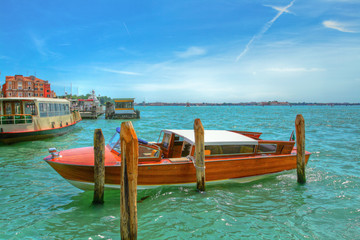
{"x":215,"y":137}
{"x":39,"y":99}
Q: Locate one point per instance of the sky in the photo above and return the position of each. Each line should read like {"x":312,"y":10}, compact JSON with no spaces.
{"x":188,"y":50}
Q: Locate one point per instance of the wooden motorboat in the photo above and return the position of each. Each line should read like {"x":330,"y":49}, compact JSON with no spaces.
{"x":229,"y":156}
{"x":24,"y":119}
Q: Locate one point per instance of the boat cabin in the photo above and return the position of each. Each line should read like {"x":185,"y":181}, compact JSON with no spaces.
{"x":179,"y":145}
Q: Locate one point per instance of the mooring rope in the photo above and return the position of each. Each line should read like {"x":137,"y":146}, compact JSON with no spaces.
{"x":196,"y":166}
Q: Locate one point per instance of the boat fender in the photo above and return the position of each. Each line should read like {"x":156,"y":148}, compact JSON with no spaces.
{"x":142,"y":141}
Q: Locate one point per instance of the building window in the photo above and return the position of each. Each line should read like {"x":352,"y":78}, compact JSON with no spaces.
{"x":36,"y":94}
{"x":19,"y":85}
{"x":41,"y":95}
{"x":48,"y":95}
{"x":20,"y":94}
{"x":41,"y":89}
{"x":9,"y":94}
{"x":36,"y":89}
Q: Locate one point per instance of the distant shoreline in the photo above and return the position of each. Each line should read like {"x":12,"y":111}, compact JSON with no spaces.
{"x":246,"y":104}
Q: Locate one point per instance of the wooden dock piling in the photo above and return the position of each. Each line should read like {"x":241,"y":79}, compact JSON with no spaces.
{"x":199,"y":154}
{"x":300,"y":145}
{"x":129,"y":173}
{"x":99,"y":167}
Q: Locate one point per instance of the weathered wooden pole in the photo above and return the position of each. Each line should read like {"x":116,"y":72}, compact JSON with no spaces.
{"x":300,"y":145}
{"x":199,"y":155}
{"x":99,"y":167}
{"x":129,"y":173}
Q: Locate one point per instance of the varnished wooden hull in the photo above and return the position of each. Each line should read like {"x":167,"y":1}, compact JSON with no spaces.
{"x":151,"y":175}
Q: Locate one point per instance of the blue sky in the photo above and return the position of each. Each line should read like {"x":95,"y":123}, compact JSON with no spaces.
{"x":189,"y":50}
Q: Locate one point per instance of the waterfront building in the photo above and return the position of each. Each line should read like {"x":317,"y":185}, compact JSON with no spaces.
{"x":20,"y":86}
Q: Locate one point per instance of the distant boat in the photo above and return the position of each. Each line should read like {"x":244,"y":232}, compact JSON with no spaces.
{"x":187,"y":104}
{"x":26,"y":119}
{"x":229,"y":156}
{"x":89,"y":108}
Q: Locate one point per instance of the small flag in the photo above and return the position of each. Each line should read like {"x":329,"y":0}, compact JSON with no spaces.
{"x":292,"y":136}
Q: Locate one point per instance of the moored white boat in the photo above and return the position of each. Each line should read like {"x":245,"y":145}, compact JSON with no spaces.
{"x":229,"y":155}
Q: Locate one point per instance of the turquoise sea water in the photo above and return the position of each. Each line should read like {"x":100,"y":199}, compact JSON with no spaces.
{"x":36,"y":203}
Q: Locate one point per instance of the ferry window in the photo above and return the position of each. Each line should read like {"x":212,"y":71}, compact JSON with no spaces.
{"x":8,"y":108}
{"x":56,"y":109}
{"x":267,"y":148}
{"x":17,"y":108}
{"x":229,"y":149}
{"x":67,"y":109}
{"x":49,"y":109}
{"x":43,"y":109}
{"x":166,"y":140}
{"x":30,"y":108}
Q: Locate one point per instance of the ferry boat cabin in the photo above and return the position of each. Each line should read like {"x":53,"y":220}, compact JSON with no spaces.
{"x":34,"y":118}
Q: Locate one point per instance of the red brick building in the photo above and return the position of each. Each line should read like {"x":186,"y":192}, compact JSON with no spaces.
{"x":20,"y":86}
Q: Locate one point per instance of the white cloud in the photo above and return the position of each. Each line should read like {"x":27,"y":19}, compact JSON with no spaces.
{"x":299,"y":69}
{"x":342,"y":27}
{"x":191,"y":52}
{"x":117,"y":71}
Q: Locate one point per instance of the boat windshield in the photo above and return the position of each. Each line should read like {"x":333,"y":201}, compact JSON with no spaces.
{"x":146,"y":150}
{"x":115,"y":142}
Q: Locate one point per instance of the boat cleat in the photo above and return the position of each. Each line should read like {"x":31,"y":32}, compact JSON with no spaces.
{"x":54,"y":153}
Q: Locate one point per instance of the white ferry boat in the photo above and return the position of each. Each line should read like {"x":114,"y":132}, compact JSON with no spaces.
{"x":24,"y":119}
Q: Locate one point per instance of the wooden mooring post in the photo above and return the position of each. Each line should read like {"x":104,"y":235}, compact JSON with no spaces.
{"x":99,"y":167}
{"x":300,"y":145}
{"x":199,"y":154}
{"x":129,"y":174}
